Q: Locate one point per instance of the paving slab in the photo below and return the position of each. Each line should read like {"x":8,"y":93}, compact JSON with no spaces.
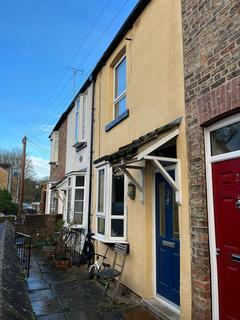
{"x":46,"y":307}
{"x":37,"y":295}
{"x":56,"y":316}
{"x":69,"y":294}
{"x":37,"y":285}
{"x":138,"y":313}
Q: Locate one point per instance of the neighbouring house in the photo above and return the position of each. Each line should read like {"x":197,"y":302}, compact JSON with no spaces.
{"x":70,"y":191}
{"x":211,"y":32}
{"x":140,"y":182}
{"x":9,"y":181}
{"x":78,"y":160}
{"x":58,"y":138}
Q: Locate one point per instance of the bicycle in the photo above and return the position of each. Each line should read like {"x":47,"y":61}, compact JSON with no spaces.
{"x":98,"y":265}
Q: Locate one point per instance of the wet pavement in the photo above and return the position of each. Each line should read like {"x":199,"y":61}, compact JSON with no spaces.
{"x":69,"y":294}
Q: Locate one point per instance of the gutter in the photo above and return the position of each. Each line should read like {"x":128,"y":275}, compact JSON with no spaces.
{"x":91,"y":159}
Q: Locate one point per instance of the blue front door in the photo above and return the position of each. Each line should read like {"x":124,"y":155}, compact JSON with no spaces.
{"x":167,"y":241}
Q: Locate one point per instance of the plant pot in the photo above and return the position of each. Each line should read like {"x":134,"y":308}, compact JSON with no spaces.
{"x":62,"y":262}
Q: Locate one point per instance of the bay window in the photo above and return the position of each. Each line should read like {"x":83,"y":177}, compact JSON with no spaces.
{"x":76,"y":199}
{"x":79,"y":200}
{"x":111,"y":212}
{"x":101,"y":175}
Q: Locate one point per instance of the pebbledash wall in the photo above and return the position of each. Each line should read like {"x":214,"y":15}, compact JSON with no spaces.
{"x":211,"y":31}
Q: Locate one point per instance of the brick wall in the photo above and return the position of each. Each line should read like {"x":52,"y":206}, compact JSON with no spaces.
{"x":211,"y":36}
{"x":57,"y":171}
{"x":39,"y":226}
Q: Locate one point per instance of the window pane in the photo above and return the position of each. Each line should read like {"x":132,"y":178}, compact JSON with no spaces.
{"x":175,"y":218}
{"x":162,"y":209}
{"x":69,"y":204}
{"x":101,"y":190}
{"x":117,"y":228}
{"x":53,"y":202}
{"x":79,"y":181}
{"x":101,"y":225}
{"x":76,"y":127}
{"x":120,"y":78}
{"x":120,"y":107}
{"x":79,"y":194}
{"x":84,"y":118}
{"x":226,"y":139}
{"x":117,"y":193}
{"x":78,"y":206}
{"x":78,"y":218}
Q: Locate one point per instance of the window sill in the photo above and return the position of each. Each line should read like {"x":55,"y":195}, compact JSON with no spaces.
{"x":116,"y":121}
{"x":99,"y":238}
{"x":80,"y":145}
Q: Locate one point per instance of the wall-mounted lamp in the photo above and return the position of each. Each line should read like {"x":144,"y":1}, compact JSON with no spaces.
{"x":131,"y":191}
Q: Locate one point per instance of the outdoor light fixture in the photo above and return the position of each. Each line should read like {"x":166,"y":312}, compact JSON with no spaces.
{"x":131,"y":191}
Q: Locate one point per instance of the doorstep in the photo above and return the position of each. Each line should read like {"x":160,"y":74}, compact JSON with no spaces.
{"x":161,"y":309}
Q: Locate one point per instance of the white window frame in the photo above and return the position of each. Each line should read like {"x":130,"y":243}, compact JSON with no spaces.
{"x":77,"y":120}
{"x":53,"y":202}
{"x":211,"y":219}
{"x":100,"y":214}
{"x":124,"y":93}
{"x":80,"y":119}
{"x":54,"y":146}
{"x":84,"y":195}
{"x":73,"y":188}
{"x":108,"y":205}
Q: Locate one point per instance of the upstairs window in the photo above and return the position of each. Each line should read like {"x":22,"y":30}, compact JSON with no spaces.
{"x":77,"y":120}
{"x":80,"y":119}
{"x":54,"y":146}
{"x":120,"y":87}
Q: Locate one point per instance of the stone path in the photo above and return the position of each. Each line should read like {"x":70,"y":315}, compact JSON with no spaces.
{"x":68,"y":294}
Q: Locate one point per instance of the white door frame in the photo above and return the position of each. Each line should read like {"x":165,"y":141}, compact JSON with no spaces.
{"x":211,"y":221}
{"x":163,"y":300}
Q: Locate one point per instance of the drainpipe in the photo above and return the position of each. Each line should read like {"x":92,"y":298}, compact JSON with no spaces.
{"x":91,"y":159}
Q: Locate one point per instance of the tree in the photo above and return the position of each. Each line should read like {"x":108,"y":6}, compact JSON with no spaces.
{"x":6,"y":204}
{"x":13,"y":158}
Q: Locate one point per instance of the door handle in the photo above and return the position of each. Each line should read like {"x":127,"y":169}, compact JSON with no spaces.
{"x":218,"y":252}
{"x":235,"y":257}
{"x":169,"y":244}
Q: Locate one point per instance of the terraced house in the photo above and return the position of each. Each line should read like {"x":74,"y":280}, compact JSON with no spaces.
{"x":140,"y":184}
{"x":153,"y":161}
{"x":69,"y":187}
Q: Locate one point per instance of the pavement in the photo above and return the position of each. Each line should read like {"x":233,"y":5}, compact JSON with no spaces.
{"x":69,"y":294}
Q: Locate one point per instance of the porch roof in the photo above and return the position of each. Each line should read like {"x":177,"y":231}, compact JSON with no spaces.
{"x":56,"y":184}
{"x":130,"y":150}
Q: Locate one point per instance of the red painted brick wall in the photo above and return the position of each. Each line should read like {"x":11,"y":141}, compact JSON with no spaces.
{"x":57,"y":171}
{"x":211,"y":37}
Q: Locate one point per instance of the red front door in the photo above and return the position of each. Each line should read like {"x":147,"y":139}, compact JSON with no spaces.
{"x":226,"y":193}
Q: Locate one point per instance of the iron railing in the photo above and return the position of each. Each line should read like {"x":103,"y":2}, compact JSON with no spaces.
{"x":24,"y":243}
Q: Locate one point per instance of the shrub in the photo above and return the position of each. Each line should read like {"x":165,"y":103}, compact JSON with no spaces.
{"x":6,"y":204}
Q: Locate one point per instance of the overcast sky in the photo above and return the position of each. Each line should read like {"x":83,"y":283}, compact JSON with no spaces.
{"x":40,"y":40}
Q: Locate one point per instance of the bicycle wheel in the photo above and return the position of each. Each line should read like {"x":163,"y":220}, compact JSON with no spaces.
{"x":92,"y":272}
